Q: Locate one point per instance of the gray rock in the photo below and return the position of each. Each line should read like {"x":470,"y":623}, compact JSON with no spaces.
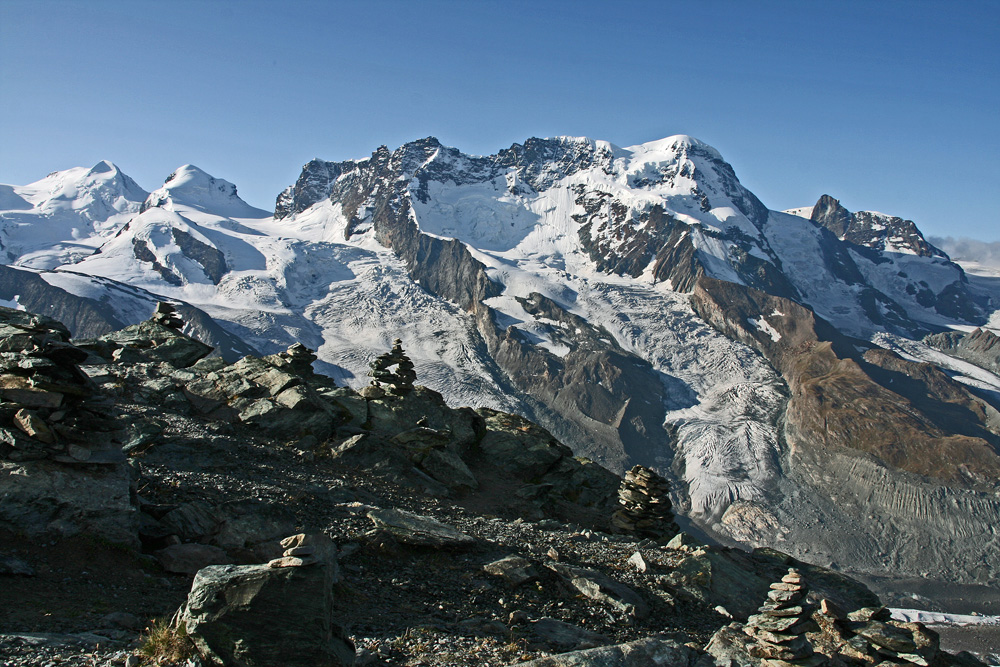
{"x":418,"y":530}
{"x":566,"y":636}
{"x":888,"y":636}
{"x":448,"y":468}
{"x":192,"y":521}
{"x":649,"y":652}
{"x":12,"y":565}
{"x":515,"y":570}
{"x":256,"y":615}
{"x":601,"y":588}
{"x":248,"y":523}
{"x":191,"y":557}
{"x":729,"y":646}
{"x":351,"y":402}
{"x":42,"y":497}
{"x":156,"y":342}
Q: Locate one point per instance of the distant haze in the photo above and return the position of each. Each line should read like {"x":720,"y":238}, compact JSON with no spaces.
{"x":969,"y":250}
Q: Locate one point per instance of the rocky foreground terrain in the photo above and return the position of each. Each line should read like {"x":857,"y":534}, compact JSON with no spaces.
{"x":159,"y":505}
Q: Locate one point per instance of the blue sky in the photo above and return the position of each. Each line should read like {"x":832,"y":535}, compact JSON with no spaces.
{"x":890,"y":106}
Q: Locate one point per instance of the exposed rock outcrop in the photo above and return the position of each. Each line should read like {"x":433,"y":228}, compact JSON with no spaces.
{"x":980,"y":346}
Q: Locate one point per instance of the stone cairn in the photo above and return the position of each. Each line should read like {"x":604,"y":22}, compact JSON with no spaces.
{"x":299,"y":359}
{"x":48,"y":406}
{"x":305,"y":549}
{"x":400,"y":381}
{"x":166,"y":315}
{"x":646,"y":508}
{"x":780,"y":626}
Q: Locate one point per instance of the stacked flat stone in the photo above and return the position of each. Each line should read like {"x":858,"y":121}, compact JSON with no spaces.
{"x":646,"y":509}
{"x":305,"y":549}
{"x":166,"y":315}
{"x":780,"y":626}
{"x":47,"y":405}
{"x":400,"y":381}
{"x":300,"y":359}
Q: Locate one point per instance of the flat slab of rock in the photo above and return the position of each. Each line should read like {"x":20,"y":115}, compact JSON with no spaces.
{"x":515,"y":570}
{"x":566,"y":636}
{"x":603,"y":589}
{"x":649,"y":652}
{"x":423,"y":531}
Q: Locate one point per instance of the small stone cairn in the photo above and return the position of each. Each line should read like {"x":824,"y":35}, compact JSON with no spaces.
{"x":646,"y":508}
{"x":780,"y":627}
{"x":400,"y":381}
{"x":299,"y":358}
{"x":305,"y":549}
{"x":166,"y":315}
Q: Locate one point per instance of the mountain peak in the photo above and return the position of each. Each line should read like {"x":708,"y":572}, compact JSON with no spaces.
{"x":830,"y":214}
{"x":676,"y":144}
{"x":104,"y":167}
{"x":193,"y":187}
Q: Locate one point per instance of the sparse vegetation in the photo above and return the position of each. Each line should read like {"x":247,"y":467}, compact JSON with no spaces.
{"x":162,"y":643}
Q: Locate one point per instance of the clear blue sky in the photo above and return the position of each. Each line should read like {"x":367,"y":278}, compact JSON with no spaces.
{"x":891,"y":106}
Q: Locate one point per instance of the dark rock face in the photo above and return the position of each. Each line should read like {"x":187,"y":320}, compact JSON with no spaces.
{"x":144,"y":254}
{"x":312,"y":185}
{"x":211,"y":259}
{"x":84,"y":317}
{"x":830,"y":214}
{"x":88,"y":318}
{"x":871,"y":230}
{"x":981,"y":347}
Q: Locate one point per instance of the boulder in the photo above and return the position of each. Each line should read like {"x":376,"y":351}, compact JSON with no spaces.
{"x":192,"y":521}
{"x":259,"y":616}
{"x":12,"y":565}
{"x":448,"y":468}
{"x":519,"y":446}
{"x":418,"y":530}
{"x":515,"y":570}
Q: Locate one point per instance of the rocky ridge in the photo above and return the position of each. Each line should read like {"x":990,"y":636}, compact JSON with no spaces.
{"x":462,"y":537}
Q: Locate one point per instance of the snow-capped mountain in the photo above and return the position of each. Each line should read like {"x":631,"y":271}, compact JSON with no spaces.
{"x":58,"y":219}
{"x":639,"y":302}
